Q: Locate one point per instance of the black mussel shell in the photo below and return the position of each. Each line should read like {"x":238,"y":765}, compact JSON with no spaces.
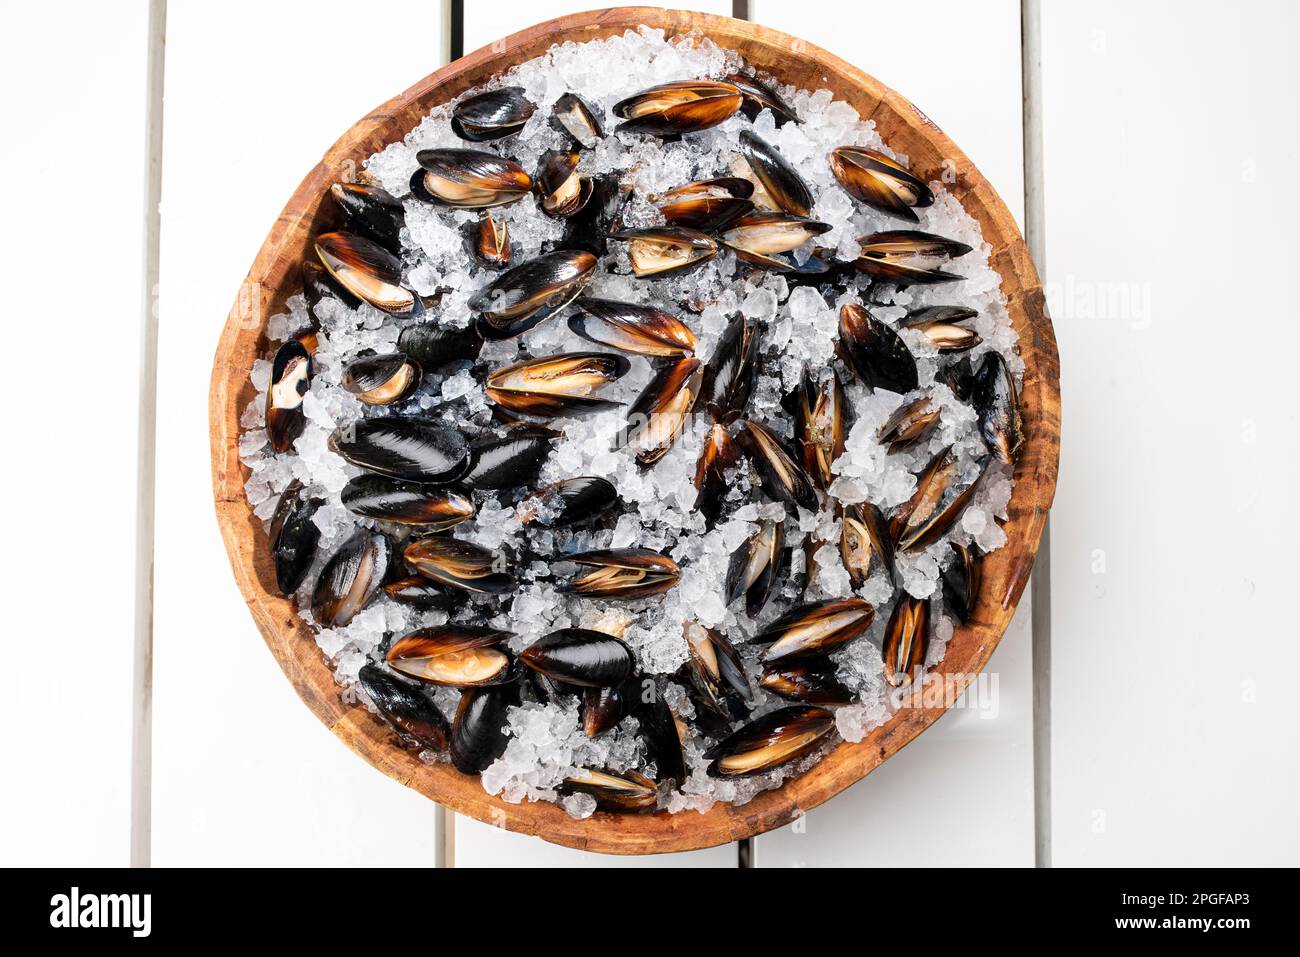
{"x":716,"y":671}
{"x":879,"y":181}
{"x":435,"y":508}
{"x":782,"y":183}
{"x":373,"y":212}
{"x":569,"y":502}
{"x":907,"y":639}
{"x":457,"y":656}
{"x":433,"y":345}
{"x":730,"y":374}
{"x":291,"y":371}
{"x":382,"y":380}
{"x":509,"y":460}
{"x":816,"y":628}
{"x":460,"y":564}
{"x":404,"y":447}
{"x":294,"y":537}
{"x":468,"y":179}
{"x":660,"y":250}
{"x":910,"y":424}
{"x":478,"y":735}
{"x":659,"y":733}
{"x":621,"y":573}
{"x":578,"y":656}
{"x":577,"y":119}
{"x":864,"y":537}
{"x":603,"y":708}
{"x":556,"y":385}
{"x":489,"y":241}
{"x":492,"y":115}
{"x":875,"y":352}
{"x":657,"y":416}
{"x":642,"y":330}
{"x":419,"y":592}
{"x":368,"y":271}
{"x":589,"y":228}
{"x":783,"y":478}
{"x":672,"y":109}
{"x":614,"y":791}
{"x":959,"y":376}
{"x":808,"y":681}
{"x":757,"y":96}
{"x":961,"y":580}
{"x":892,"y":256}
{"x":771,"y":740}
{"x":718,"y":457}
{"x":350,"y":578}
{"x":561,"y":191}
{"x":755,"y":567}
{"x":994,"y":397}
{"x":530,"y":292}
{"x":407,"y":708}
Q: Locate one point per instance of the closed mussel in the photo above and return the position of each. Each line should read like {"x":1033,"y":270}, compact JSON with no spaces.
{"x":617,"y":791}
{"x":604,"y":708}
{"x":458,"y":656}
{"x":368,"y":271}
{"x":291,"y":371}
{"x":672,"y":109}
{"x":994,"y":397}
{"x":907,"y":639}
{"x":718,"y":460}
{"x":755,"y":566}
{"x":293,"y":536}
{"x":729,"y":376}
{"x":659,"y":733}
{"x":579,"y":656}
{"x":941,"y":325}
{"x":478,"y":735}
{"x":578,"y":119}
{"x":568,"y":502}
{"x":631,"y":327}
{"x":656,"y":418}
{"x":556,"y":385}
{"x":659,"y":250}
{"x":350,"y":578}
{"x":757,"y":96}
{"x":420,"y":592}
{"x":509,"y":460}
{"x":460,"y":564}
{"x":783,"y":478}
{"x":530,"y":292}
{"x":907,"y":257}
{"x":621,"y":573}
{"x":771,"y":740}
{"x":781,"y":183}
{"x":809,"y":681}
{"x":407,"y":708}
{"x":468,"y":179}
{"x":492,"y":115}
{"x":879,"y":181}
{"x":819,"y":426}
{"x":762,"y":236}
{"x":404,"y":447}
{"x":875,"y":352}
{"x":432,"y":344}
{"x":381,"y":380}
{"x":961,"y":579}
{"x":910,"y":424}
{"x":434,"y":508}
{"x":561,"y":191}
{"x":815,"y":628}
{"x":373,"y":212}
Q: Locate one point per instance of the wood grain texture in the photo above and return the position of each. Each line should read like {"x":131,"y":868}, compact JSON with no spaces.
{"x":274,"y":277}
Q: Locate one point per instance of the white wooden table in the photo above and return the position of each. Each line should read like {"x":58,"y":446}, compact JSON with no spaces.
{"x":1168,"y":136}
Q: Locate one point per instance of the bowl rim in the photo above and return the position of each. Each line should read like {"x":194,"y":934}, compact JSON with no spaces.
{"x":274,"y":276}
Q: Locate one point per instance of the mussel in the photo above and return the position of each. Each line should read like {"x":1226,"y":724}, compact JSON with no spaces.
{"x":672,"y":109}
{"x":468,"y":179}
{"x":755,"y":566}
{"x":432,"y":344}
{"x":556,"y":385}
{"x":373,"y":212}
{"x":350,"y":578}
{"x":419,"y":592}
{"x":588,"y":229}
{"x":815,"y":628}
{"x":407,"y":708}
{"x":642,"y":330}
{"x":961,"y":579}
{"x":404,"y":447}
{"x":959,"y":377}
{"x":293,"y":536}
{"x":656,"y":418}
{"x":810,"y":681}
{"x":879,"y":181}
{"x":579,"y":656}
{"x":460,"y":564}
{"x":910,"y":424}
{"x":905,"y":257}
{"x":530,"y":292}
{"x":509,"y":460}
{"x":604,"y":708}
{"x":382,"y":380}
{"x":708,"y":204}
{"x":819,"y":426}
{"x":659,"y":733}
{"x":659,"y":250}
{"x":291,"y":371}
{"x":760,"y":237}
{"x":621,"y":573}
{"x":875,"y":352}
{"x":577,"y":118}
{"x":865,"y":537}
{"x":491,"y":242}
{"x":907,"y":639}
{"x":757,"y":96}
{"x":771,"y":740}
{"x":568,"y":502}
{"x":434,"y":508}
{"x":716,"y":671}
{"x":478,"y":735}
{"x":368,"y":271}
{"x":458,"y":656}
{"x":624,"y":791}
{"x":783,"y":478}
{"x":318,"y":285}
{"x":781,"y":183}
{"x":492,"y":115}
{"x":718,"y":460}
{"x":729,"y":376}
{"x":561,"y":191}
{"x":940,"y":326}
{"x":936,"y":504}
{"x":994,"y":397}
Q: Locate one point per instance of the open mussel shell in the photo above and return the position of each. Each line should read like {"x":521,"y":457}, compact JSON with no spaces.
{"x":492,"y":115}
{"x":578,"y":119}
{"x":366,"y":270}
{"x":617,"y":791}
{"x":579,"y":656}
{"x":757,"y":96}
{"x":937,"y":503}
{"x":875,"y":352}
{"x":771,"y":740}
{"x":621,"y":573}
{"x":659,"y":250}
{"x":350,"y":578}
{"x":759,"y":237}
{"x":659,"y":732}
{"x":373,"y":212}
{"x":468,"y":179}
{"x":509,"y":460}
{"x":815,"y":628}
{"x":556,"y":385}
{"x":641,"y":330}
{"x":489,"y":241}
{"x":407,"y":708}
{"x":961,"y":579}
{"x":432,"y":344}
{"x":910,"y":424}
{"x":561,"y":191}
{"x":457,"y":656}
{"x":902,"y":256}
{"x":657,"y":416}
{"x":293,"y":536}
{"x":819,"y":426}
{"x":783,"y":478}
{"x":755,"y":566}
{"x":672,"y":109}
{"x":434,"y":508}
{"x":419,"y":592}
{"x":730,"y":374}
{"x":404,"y":447}
{"x":809,"y":681}
{"x":478,"y":735}
{"x":588,"y":229}
{"x":291,"y":371}
{"x":716,"y":671}
{"x":382,"y":380}
{"x":530,"y":292}
{"x":707,"y":204}
{"x":907,"y":639}
{"x":318,"y":285}
{"x":719,"y":457}
{"x":568,"y":502}
{"x":780,"y":181}
{"x":940,"y":325}
{"x":864,"y":537}
{"x":460,"y":564}
{"x":879,"y":181}
{"x":994,"y":396}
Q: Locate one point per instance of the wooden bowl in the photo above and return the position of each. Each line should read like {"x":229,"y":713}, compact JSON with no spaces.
{"x":275,"y":277}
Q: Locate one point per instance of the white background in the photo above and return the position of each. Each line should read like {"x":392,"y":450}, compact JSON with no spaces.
{"x":1170,"y":137}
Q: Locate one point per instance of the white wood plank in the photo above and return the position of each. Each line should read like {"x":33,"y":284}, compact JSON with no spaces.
{"x":485,"y":22}
{"x":243,"y":773}
{"x":1173,"y":547}
{"x":963,"y":792}
{"x":74,"y":128}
